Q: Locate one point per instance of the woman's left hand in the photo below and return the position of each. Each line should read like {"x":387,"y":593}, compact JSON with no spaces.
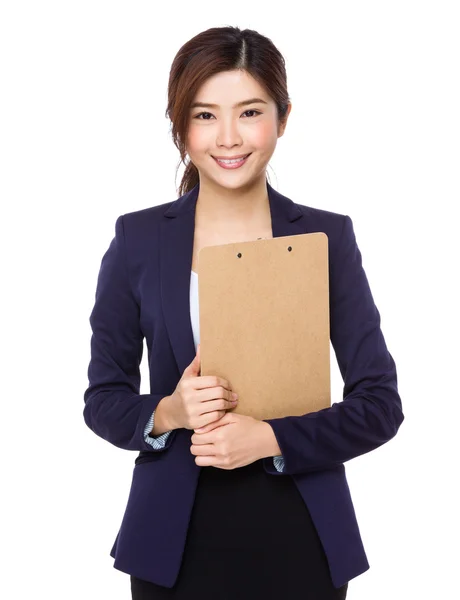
{"x":232,"y":441}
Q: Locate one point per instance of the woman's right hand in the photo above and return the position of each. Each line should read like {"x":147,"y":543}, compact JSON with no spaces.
{"x":198,"y":401}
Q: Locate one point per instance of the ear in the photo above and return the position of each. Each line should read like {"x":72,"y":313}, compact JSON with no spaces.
{"x":282,"y":125}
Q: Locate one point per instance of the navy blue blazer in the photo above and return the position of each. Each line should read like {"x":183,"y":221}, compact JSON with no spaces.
{"x":143,"y":291}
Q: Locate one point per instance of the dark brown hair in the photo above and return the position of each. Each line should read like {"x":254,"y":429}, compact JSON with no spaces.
{"x":208,"y":53}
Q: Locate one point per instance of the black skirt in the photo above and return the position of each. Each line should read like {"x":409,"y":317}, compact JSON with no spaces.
{"x":250,"y":536}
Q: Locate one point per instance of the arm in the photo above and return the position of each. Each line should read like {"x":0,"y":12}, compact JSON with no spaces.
{"x":114,"y":409}
{"x":371,"y":411}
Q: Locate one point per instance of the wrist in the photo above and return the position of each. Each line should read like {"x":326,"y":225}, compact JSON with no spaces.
{"x":168,"y":410}
{"x":269,"y":444}
{"x":163,"y":421}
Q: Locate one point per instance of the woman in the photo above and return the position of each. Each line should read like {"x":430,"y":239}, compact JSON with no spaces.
{"x":222,"y":505}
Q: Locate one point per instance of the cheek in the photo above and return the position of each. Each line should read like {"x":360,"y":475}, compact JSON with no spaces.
{"x":192,"y":140}
{"x":197,"y":139}
{"x":264,"y":136}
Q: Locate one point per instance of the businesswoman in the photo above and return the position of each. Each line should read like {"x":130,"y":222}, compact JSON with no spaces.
{"x":222,"y":505}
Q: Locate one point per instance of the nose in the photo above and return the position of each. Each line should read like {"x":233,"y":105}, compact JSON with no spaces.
{"x":229,"y":134}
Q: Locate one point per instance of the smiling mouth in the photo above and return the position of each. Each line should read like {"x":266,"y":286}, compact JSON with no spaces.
{"x":231,"y":157}
{"x":232,"y":161}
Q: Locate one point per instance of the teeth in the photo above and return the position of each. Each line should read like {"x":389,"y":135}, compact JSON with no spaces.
{"x":229,"y":162}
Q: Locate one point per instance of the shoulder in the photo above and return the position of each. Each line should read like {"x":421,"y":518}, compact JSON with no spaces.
{"x":141,"y":227}
{"x":337,"y":226}
{"x":334,"y":224}
{"x":312,"y":217}
{"x":139,"y":221}
{"x":320,"y":215}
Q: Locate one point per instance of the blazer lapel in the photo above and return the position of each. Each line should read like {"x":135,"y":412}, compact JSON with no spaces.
{"x":176,"y":249}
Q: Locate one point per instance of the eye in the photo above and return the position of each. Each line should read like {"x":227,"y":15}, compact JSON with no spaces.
{"x":252,"y":110}
{"x":203,"y":113}
{"x":257,"y":112}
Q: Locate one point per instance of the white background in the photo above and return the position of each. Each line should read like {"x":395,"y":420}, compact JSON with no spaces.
{"x":374,"y":133}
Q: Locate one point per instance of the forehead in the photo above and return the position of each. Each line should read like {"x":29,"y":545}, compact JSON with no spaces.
{"x":230,"y":87}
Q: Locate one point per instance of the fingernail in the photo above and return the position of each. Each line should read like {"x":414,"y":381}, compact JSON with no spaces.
{"x":235,"y":396}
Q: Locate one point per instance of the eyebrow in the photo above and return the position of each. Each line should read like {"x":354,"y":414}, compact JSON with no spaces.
{"x":237,"y":105}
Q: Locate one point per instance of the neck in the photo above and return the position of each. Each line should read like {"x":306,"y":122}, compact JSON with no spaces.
{"x":229,"y":208}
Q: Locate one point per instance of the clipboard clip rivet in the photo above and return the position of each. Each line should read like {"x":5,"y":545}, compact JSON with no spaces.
{"x":239,"y":255}
{"x":289,"y":248}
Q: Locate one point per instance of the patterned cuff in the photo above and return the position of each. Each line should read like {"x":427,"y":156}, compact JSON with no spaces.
{"x":156,"y":441}
{"x":278,"y":461}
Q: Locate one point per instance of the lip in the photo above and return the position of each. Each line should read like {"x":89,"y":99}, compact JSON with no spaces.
{"x":234,"y":165}
{"x":231,"y":157}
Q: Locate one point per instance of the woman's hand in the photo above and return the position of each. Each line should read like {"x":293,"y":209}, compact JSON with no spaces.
{"x":232,"y":441}
{"x":198,"y":400}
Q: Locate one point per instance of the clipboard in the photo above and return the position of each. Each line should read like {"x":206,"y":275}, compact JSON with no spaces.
{"x":264,"y":322}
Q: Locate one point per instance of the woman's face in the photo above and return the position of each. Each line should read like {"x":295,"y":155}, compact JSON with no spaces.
{"x":228,"y":130}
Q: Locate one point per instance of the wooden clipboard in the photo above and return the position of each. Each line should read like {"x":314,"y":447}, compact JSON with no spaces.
{"x":264,"y":322}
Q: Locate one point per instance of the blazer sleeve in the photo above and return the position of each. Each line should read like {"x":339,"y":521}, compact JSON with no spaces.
{"x":114,"y":409}
{"x":371,"y":411}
